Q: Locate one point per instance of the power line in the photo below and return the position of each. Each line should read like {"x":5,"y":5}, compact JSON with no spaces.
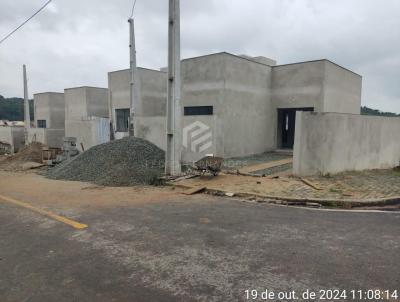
{"x":133,"y":9}
{"x":26,"y":21}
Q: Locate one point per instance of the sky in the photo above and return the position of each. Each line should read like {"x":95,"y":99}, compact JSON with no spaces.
{"x":76,"y":42}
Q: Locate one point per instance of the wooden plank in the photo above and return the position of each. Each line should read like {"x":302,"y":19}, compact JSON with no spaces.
{"x":267,"y":165}
{"x":194,"y":190}
{"x":310,"y":184}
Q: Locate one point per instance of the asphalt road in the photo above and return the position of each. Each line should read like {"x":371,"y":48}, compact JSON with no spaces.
{"x":198,"y":249}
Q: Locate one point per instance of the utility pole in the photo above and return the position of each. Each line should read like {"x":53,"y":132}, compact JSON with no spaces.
{"x":27,"y":116}
{"x":174,"y":118}
{"x":135,"y":103}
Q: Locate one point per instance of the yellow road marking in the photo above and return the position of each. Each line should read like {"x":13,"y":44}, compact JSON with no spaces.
{"x":59,"y":218}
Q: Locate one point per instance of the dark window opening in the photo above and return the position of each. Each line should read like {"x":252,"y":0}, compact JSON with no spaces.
{"x":41,"y":124}
{"x":286,"y":126}
{"x":122,"y":116}
{"x":199,"y":110}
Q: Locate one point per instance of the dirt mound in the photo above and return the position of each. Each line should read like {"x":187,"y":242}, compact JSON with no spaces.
{"x":31,"y":153}
{"x":124,"y":162}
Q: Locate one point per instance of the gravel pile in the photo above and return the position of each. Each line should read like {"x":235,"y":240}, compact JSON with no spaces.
{"x":125,"y":162}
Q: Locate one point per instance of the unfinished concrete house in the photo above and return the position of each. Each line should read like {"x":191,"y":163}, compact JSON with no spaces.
{"x":12,"y":138}
{"x":86,"y":116}
{"x":149,"y":120}
{"x":49,"y":113}
{"x":238,"y":105}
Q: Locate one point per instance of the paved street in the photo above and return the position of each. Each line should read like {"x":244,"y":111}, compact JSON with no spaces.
{"x":180,"y":248}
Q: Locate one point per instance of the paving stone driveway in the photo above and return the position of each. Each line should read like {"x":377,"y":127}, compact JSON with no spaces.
{"x":351,"y":185}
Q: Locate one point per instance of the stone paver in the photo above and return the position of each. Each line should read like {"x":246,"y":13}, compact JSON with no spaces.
{"x":352,"y":185}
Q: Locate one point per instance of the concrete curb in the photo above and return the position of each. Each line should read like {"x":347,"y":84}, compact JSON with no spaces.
{"x":336,"y":203}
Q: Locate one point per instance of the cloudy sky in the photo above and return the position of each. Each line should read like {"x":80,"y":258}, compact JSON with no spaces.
{"x":76,"y":42}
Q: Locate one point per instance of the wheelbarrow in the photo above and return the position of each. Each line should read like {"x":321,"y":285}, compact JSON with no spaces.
{"x":208,"y":164}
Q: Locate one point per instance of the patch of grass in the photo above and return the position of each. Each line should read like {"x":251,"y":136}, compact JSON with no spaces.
{"x":334,"y":190}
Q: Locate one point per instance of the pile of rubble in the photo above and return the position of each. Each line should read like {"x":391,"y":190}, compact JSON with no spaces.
{"x":125,"y":162}
{"x":28,"y":155}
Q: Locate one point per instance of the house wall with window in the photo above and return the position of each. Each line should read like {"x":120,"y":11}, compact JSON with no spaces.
{"x":231,"y":104}
{"x":230,"y":95}
{"x":49,"y":110}
{"x":49,"y":113}
{"x":149,"y":121}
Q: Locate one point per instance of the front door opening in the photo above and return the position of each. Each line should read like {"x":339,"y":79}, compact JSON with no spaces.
{"x":286,"y":126}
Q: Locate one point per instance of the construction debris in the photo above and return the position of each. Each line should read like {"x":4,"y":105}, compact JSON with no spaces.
{"x":310,"y":184}
{"x":125,"y":162}
{"x":31,"y":165}
{"x":194,"y":190}
{"x":31,"y":153}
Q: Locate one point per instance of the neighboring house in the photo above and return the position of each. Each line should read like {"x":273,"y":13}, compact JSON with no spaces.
{"x":49,"y":113}
{"x":235,"y":105}
{"x":87,"y":116}
{"x":12,"y":138}
{"x":149,"y":120}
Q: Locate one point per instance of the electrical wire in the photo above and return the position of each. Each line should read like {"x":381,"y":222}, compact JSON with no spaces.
{"x":26,"y":21}
{"x":133,"y":9}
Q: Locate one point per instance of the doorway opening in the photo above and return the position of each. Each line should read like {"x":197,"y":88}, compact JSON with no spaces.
{"x":286,"y":126}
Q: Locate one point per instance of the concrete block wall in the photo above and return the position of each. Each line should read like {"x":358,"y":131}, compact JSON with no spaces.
{"x":153,"y":93}
{"x":87,"y":116}
{"x":332,"y":143}
{"x":13,"y":136}
{"x":239,"y":91}
{"x":89,"y":132}
{"x":342,"y":90}
{"x":50,"y":137}
{"x":86,"y":101}
{"x":50,"y":106}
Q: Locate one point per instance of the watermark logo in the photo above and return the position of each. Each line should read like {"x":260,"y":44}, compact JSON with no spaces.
{"x":199,"y":135}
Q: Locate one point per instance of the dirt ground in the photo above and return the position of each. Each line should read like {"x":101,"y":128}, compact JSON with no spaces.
{"x":66,"y":194}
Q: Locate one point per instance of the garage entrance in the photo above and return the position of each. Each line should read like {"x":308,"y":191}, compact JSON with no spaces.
{"x":286,"y":126}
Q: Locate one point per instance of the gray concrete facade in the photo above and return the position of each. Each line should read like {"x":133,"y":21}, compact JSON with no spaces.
{"x":14,"y":136}
{"x":50,"y":107}
{"x":49,"y":112}
{"x":87,"y":116}
{"x":85,"y":101}
{"x":331,"y":143}
{"x":52,"y":138}
{"x":243,"y":95}
{"x":150,"y":120}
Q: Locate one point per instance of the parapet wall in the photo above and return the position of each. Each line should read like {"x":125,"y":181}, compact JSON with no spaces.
{"x":333,"y":143}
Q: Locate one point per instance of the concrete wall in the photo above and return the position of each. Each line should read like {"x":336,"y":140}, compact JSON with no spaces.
{"x":240,"y":91}
{"x":50,"y":106}
{"x":50,"y":137}
{"x":153,"y":129}
{"x":342,"y":90}
{"x":86,"y":101}
{"x":89,"y":132}
{"x":246,"y":109}
{"x":14,"y":136}
{"x":153,"y":92}
{"x":332,"y":143}
{"x":298,"y":85}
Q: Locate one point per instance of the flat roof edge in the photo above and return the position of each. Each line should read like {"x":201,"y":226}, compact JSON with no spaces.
{"x":48,"y":92}
{"x":229,"y":54}
{"x":144,"y":68}
{"x":80,"y":87}
{"x":320,"y":60}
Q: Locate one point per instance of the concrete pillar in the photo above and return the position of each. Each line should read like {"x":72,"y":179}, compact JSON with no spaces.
{"x":135,"y":102}
{"x":174,"y":115}
{"x":27,"y":115}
